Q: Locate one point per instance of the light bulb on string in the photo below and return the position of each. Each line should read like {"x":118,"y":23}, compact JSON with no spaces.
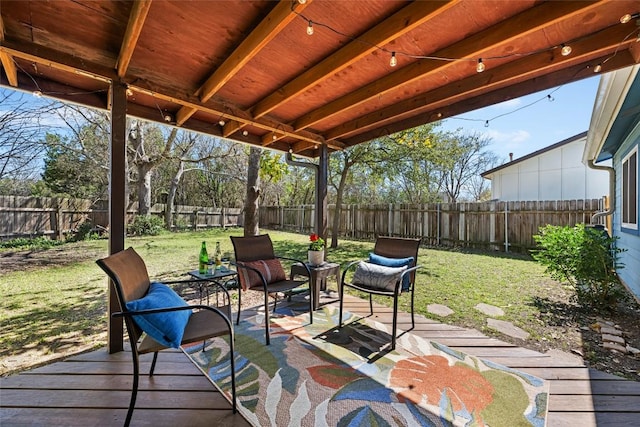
{"x":168,"y":118}
{"x":221,"y":122}
{"x":393,"y":61}
{"x":550,"y":98}
{"x":565,"y":49}
{"x":480,"y":67}
{"x":37,"y":94}
{"x":302,"y":1}
{"x":628,"y":17}
{"x":245,"y":132}
{"x":597,"y":68}
{"x":310,"y":29}
{"x":274,"y":137}
{"x":486,"y":123}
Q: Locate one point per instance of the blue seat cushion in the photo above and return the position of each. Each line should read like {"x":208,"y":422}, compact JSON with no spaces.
{"x":166,"y":328}
{"x":394,"y":262}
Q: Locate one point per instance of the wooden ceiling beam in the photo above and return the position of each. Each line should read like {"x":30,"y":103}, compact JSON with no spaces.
{"x":57,"y":60}
{"x":138,"y":15}
{"x":527,"y":68}
{"x":520,"y":25}
{"x":542,"y":82}
{"x":7,"y":62}
{"x":281,"y":15}
{"x":218,"y":109}
{"x":403,"y":21}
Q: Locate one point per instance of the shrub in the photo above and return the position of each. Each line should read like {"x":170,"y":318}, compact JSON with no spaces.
{"x":30,"y":243}
{"x":586,"y":258}
{"x":145,"y":226}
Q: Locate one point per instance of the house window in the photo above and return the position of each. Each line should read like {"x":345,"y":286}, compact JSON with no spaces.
{"x":630,"y":190}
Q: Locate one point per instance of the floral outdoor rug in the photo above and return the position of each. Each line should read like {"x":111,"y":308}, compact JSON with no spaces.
{"x":318,"y":375}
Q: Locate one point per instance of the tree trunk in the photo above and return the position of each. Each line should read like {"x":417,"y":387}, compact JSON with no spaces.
{"x":251,"y":202}
{"x":336,"y":216}
{"x":144,"y":189}
{"x":173,"y":188}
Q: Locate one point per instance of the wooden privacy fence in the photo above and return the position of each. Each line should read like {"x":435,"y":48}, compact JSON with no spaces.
{"x":56,"y":217}
{"x":503,"y":226}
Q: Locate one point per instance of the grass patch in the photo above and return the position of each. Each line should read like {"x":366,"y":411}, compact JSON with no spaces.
{"x":58,"y":298}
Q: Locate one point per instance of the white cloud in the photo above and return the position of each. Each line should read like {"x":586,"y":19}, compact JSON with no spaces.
{"x":515,"y":137}
{"x":508,"y":105}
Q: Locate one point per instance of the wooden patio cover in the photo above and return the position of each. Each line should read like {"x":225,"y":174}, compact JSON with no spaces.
{"x":249,"y":71}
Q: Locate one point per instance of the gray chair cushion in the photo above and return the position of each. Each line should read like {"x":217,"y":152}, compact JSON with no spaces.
{"x":379,"y":277}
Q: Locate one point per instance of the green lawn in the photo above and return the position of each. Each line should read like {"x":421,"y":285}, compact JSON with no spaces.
{"x":58,"y":302}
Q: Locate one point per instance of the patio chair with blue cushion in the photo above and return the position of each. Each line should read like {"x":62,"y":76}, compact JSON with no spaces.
{"x":390,"y":271}
{"x":167,"y":320}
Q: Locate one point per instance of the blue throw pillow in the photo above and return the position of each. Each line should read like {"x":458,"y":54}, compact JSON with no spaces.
{"x":166,"y":328}
{"x":394,"y":262}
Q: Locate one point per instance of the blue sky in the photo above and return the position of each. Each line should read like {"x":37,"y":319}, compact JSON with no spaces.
{"x":527,"y":128}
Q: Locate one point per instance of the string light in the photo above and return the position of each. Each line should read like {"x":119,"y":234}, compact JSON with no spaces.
{"x":274,"y":137}
{"x":550,"y":98}
{"x":310,"y":29}
{"x":628,"y":17}
{"x":129,"y":92}
{"x":393,"y":61}
{"x":597,"y":68}
{"x":245,"y":132}
{"x":37,"y":94}
{"x":565,"y":48}
{"x":221,"y":122}
{"x":486,"y":123}
{"x":168,"y":118}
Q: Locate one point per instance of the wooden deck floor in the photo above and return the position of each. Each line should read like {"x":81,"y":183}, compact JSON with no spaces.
{"x":94,"y":388}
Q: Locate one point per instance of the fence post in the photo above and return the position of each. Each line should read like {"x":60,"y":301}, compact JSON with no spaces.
{"x":59,"y":225}
{"x":223,"y":222}
{"x":195,"y":220}
{"x":462,"y":235}
{"x":438,"y":221}
{"x":506,"y":227}
{"x":492,"y":225}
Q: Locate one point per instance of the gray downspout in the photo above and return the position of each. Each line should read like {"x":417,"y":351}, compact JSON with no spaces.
{"x":612,"y":191}
{"x":320,"y":175}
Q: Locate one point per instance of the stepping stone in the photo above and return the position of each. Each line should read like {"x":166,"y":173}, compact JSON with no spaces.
{"x":613,"y":338}
{"x":489,"y":310}
{"x":439,"y":310}
{"x":507,"y":328}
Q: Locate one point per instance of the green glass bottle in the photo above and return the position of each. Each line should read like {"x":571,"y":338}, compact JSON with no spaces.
{"x":204,"y":259}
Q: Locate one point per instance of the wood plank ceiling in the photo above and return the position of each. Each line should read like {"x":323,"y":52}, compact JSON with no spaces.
{"x":248,"y":71}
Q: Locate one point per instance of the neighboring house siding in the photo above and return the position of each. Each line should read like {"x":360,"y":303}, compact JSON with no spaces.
{"x":554,"y":174}
{"x":628,"y":239}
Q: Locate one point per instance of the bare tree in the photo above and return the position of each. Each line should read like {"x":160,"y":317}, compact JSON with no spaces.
{"x":22,"y":130}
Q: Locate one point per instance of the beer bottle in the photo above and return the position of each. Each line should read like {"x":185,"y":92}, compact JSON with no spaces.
{"x":204,"y":259}
{"x":218,"y":256}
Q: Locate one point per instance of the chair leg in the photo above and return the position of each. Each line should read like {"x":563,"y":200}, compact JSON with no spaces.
{"x":239,"y":304}
{"x":233,"y":372}
{"x":153,"y":363}
{"x":341,"y":304}
{"x":134,"y":389}
{"x":371,"y":304}
{"x":395,"y":322}
{"x":266,"y":317}
{"x":413,"y":321}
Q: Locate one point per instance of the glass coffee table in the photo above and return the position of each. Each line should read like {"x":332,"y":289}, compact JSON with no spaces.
{"x":222,"y":279}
